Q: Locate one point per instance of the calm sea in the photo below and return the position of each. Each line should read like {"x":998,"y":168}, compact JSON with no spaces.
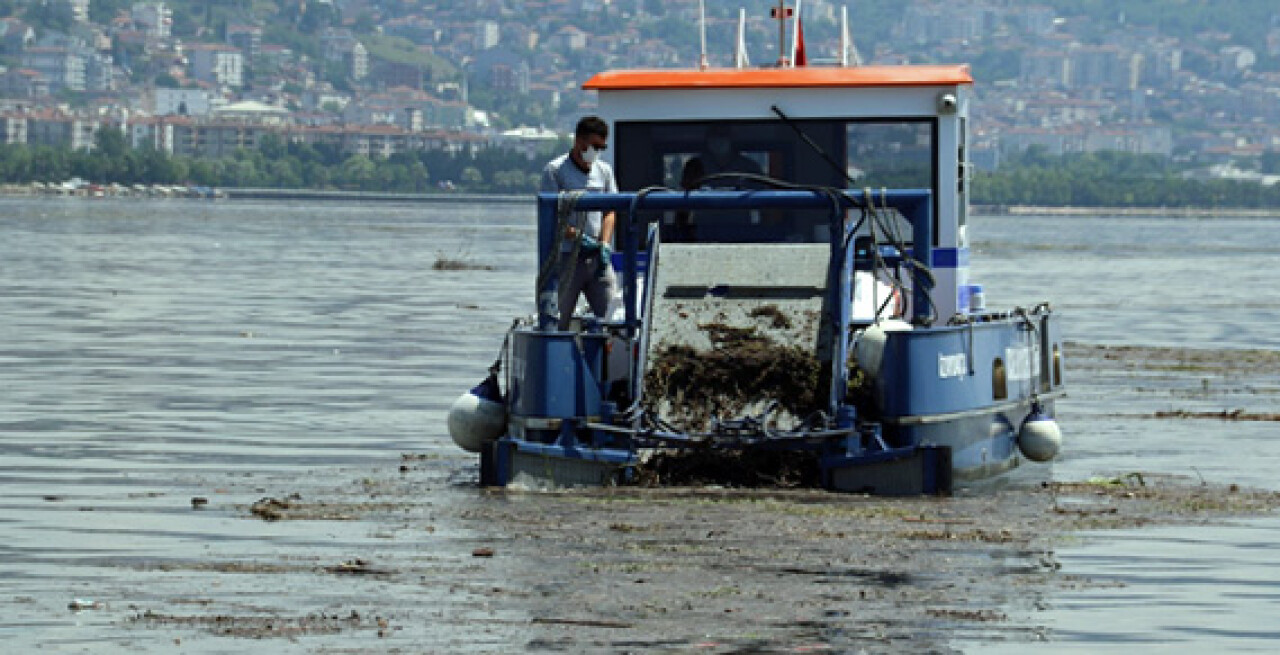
{"x":150,"y":349}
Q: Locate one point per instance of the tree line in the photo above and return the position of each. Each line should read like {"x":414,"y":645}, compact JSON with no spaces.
{"x":1112,"y":179}
{"x":277,"y":163}
{"x":1103,"y":179}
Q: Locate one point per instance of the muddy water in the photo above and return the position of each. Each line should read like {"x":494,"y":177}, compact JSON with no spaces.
{"x":156,"y":352}
{"x":167,"y":364}
{"x":1194,"y":299}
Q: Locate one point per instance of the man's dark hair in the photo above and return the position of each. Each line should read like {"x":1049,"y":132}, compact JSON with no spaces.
{"x":590,"y":125}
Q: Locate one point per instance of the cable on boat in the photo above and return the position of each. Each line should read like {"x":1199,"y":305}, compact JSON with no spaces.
{"x":565,"y":204}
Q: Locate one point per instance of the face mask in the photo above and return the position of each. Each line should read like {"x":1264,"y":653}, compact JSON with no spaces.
{"x":590,"y":155}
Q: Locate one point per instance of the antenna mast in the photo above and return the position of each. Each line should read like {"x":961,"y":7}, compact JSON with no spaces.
{"x":702,"y":27}
{"x":847,"y":46}
{"x":781,"y":13}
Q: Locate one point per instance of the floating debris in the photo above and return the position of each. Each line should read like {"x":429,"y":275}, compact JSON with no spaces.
{"x":1224,"y":415}
{"x":586,"y":623}
{"x":262,"y":626}
{"x":356,"y":567}
{"x":444,"y":263}
{"x":273,"y":509}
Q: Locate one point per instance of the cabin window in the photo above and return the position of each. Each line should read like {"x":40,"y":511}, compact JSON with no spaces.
{"x":1057,"y":366}
{"x":895,"y":154}
{"x":999,"y":382}
{"x":890,"y":155}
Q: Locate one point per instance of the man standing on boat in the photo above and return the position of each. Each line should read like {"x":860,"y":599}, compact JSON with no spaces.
{"x":581,"y":169}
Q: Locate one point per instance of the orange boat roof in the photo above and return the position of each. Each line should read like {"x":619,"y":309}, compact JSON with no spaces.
{"x":778,"y":78}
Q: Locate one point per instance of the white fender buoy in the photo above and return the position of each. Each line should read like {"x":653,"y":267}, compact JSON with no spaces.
{"x":475,"y":420}
{"x":869,"y":350}
{"x":1040,"y":438}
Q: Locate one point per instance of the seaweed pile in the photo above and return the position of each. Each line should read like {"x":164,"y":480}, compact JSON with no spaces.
{"x":754,"y":468}
{"x":743,"y":369}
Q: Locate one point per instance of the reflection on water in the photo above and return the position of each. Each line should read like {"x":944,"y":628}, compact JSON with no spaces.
{"x":155,"y":351}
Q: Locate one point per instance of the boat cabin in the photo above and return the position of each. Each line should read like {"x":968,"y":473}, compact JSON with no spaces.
{"x":900,"y":127}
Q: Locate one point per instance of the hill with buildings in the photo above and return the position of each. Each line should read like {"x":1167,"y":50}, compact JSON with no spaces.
{"x":1194,"y":85}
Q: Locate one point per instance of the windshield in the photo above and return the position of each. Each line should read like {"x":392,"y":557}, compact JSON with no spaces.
{"x":895,"y":154}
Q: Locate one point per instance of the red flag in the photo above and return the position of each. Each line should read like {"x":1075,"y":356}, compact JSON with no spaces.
{"x":801,"y":58}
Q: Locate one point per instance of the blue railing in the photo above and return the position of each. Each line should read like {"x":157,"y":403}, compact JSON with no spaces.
{"x":915,"y":204}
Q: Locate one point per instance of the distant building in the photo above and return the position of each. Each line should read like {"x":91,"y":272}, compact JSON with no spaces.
{"x":520,"y":36}
{"x":488,"y":34}
{"x":1041,"y":69}
{"x":61,"y":130}
{"x":1138,"y":139}
{"x":357,"y":61}
{"x":252,"y":111}
{"x":63,"y":67}
{"x":1100,"y":66}
{"x":1037,"y":20}
{"x":417,"y":29}
{"x":13,"y":128}
{"x":23,"y":83}
{"x":181,"y":102}
{"x":389,"y":75}
{"x":209,"y":139}
{"x":217,"y":64}
{"x":529,"y":141}
{"x":1233,"y":60}
{"x":271,"y":55}
{"x":323,"y":96}
{"x":926,"y":23}
{"x":1161,"y":63}
{"x":79,"y":9}
{"x":343,"y":46}
{"x":334,"y":44}
{"x":155,"y":19}
{"x":100,"y":73}
{"x":246,"y":38}
{"x":502,"y":70}
{"x":571,"y":38}
{"x":151,"y":132}
{"x":1151,"y":140}
{"x":15,"y":36}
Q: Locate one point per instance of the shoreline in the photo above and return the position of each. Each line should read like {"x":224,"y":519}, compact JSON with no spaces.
{"x":371,"y":196}
{"x":95,"y":192}
{"x":161,"y":192}
{"x":1153,"y":212}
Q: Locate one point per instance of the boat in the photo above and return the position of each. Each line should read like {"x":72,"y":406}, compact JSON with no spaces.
{"x":810,"y":303}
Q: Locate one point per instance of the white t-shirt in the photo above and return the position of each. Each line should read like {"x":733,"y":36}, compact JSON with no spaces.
{"x":561,"y":174}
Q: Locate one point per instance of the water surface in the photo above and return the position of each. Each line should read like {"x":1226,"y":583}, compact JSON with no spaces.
{"x":154,"y":351}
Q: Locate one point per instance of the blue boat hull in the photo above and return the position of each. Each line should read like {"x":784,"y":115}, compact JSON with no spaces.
{"x":966,"y":389}
{"x":906,"y":406}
